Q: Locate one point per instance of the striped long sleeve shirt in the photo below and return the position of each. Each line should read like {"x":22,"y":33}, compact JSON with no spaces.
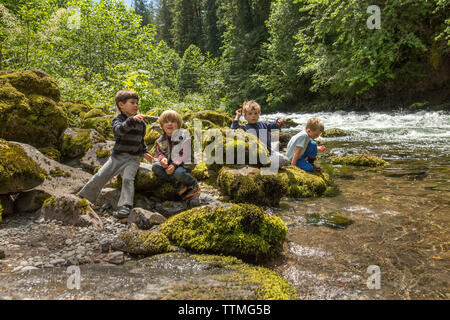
{"x":129,"y":135}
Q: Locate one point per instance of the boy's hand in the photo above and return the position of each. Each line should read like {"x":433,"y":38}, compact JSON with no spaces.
{"x":170,"y":169}
{"x":138,"y":117}
{"x":238,"y":113}
{"x":280,"y":122}
{"x":164,"y":163}
{"x":321,"y":148}
{"x":148,"y":157}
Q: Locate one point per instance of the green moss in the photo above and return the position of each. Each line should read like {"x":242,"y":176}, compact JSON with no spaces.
{"x":49,"y":202}
{"x":94,"y":113}
{"x":57,"y":172}
{"x":143,"y":242}
{"x":302,"y":184}
{"x":360,"y":161}
{"x":76,"y":145}
{"x":51,"y":153}
{"x":241,"y":230}
{"x":331,"y":133}
{"x":18,"y":172}
{"x":96,"y":169}
{"x":83,"y":205}
{"x":103,"y":153}
{"x":214,"y":118}
{"x":102,"y":125}
{"x":32,"y":82}
{"x":289,"y":123}
{"x":27,"y":108}
{"x":1,"y":212}
{"x":248,"y":185}
{"x":151,"y":136}
{"x":267,"y":284}
{"x":200,"y":172}
{"x":328,"y":220}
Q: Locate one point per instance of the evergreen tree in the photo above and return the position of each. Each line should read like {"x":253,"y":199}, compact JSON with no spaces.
{"x":187,"y":25}
{"x":164,"y":21}
{"x":213,"y":41}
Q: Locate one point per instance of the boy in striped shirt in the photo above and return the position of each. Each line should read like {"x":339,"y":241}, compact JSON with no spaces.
{"x":129,"y":132}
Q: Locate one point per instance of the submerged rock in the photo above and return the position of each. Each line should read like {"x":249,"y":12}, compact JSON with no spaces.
{"x":18,"y":171}
{"x":363,"y":160}
{"x":328,"y":220}
{"x":241,"y":230}
{"x":29,"y":102}
{"x":332,"y":133}
{"x":146,"y":243}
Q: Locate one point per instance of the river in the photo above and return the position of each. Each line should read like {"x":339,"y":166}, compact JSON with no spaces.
{"x":400,"y":213}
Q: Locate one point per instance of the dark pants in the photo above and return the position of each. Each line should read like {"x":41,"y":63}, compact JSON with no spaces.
{"x":310,"y":153}
{"x":180,"y":175}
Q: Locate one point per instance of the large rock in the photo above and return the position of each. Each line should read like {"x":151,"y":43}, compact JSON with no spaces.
{"x":302,"y":184}
{"x":248,"y":185}
{"x":97,"y":155}
{"x":241,"y":230}
{"x":71,"y":210}
{"x":29,"y":109}
{"x":76,"y":142}
{"x":145,"y":219}
{"x":212,"y":118}
{"x":30,"y":201}
{"x":61,"y":179}
{"x":146,"y":243}
{"x":18,"y":171}
{"x":103,"y":125}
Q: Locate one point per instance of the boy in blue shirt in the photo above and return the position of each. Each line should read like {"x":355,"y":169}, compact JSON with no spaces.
{"x":252,"y":111}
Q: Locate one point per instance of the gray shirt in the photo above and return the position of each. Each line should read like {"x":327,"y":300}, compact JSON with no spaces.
{"x":301,"y":140}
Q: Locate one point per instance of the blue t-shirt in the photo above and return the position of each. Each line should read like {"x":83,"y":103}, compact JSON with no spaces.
{"x":255,"y":127}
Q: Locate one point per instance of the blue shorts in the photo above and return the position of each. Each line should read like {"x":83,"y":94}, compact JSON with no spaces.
{"x":310,"y":152}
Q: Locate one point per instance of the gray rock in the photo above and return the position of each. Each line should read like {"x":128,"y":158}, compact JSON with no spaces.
{"x":69,"y":209}
{"x":90,"y":160}
{"x":170,"y":208}
{"x":145,"y":219}
{"x":57,"y":262}
{"x":28,"y":268}
{"x":116,"y":257}
{"x":57,"y":186}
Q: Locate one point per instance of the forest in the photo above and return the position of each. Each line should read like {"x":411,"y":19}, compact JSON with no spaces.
{"x":289,"y":55}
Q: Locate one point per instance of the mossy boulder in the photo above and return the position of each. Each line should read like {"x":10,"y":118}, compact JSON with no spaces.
{"x":200,"y":171}
{"x":289,"y":123}
{"x":29,"y":102}
{"x":213,"y":118}
{"x":146,"y":243}
{"x":331,"y":133}
{"x":94,"y":113}
{"x":76,"y":142}
{"x":301,"y":184}
{"x":329,"y":220}
{"x":103,"y":125}
{"x":248,"y":185}
{"x":18,"y":172}
{"x":151,"y":136}
{"x":363,"y":160}
{"x":97,"y":156}
{"x":242,"y":230}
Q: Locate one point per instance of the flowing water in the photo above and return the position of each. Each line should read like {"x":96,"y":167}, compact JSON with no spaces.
{"x":400,"y":213}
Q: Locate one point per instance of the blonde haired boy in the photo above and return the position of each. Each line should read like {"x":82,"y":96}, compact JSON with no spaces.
{"x":301,"y":149}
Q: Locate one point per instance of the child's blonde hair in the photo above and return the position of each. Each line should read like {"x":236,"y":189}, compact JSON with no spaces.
{"x":250,"y":106}
{"x":170,"y":115}
{"x":315,"y":124}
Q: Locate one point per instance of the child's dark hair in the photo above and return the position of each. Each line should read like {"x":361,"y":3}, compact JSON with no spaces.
{"x":124,"y":96}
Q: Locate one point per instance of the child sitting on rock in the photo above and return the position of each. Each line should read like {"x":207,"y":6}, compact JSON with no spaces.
{"x":252,"y":111}
{"x":170,"y":147}
{"x":302,"y":150}
{"x":129,"y":132}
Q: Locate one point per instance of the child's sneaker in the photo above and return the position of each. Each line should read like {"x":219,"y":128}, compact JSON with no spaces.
{"x":192,"y":191}
{"x":124,"y":211}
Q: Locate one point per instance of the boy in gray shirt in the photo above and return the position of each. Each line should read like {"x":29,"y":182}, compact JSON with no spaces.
{"x":129,"y":131}
{"x":301,"y":149}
